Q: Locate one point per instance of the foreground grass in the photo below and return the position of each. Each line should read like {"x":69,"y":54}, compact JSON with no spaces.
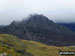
{"x":39,"y":49}
{"x":13,"y":46}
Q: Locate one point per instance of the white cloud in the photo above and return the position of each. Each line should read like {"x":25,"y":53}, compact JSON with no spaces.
{"x":57,"y":10}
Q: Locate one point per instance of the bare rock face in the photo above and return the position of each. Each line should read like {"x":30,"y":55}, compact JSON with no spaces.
{"x":40,"y":28}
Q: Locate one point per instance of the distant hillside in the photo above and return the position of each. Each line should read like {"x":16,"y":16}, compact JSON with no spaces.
{"x":12,"y":46}
{"x":2,"y":26}
{"x":40,"y":28}
{"x":71,"y":26}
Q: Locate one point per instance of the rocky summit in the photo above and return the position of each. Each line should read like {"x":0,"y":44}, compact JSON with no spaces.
{"x":40,"y":28}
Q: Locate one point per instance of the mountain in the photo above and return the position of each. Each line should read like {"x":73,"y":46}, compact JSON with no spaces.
{"x":13,"y":46}
{"x":71,"y":26}
{"x":2,"y":26}
{"x":40,"y":28}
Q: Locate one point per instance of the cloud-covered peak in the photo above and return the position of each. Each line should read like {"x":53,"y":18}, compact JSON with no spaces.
{"x":57,"y":10}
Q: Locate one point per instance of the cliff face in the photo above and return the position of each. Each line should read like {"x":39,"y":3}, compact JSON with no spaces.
{"x":40,"y":28}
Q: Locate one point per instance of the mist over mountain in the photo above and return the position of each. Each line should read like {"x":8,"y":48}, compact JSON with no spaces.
{"x":40,"y":28}
{"x":57,"y":10}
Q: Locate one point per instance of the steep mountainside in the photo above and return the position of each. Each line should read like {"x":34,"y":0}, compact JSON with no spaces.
{"x":71,"y":26}
{"x":40,"y":28}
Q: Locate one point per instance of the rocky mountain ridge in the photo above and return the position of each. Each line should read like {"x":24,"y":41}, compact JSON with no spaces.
{"x":40,"y":28}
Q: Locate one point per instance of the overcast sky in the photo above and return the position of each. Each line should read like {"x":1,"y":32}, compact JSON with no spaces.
{"x":57,"y":10}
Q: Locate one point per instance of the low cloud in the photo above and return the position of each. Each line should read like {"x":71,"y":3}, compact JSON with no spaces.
{"x":57,"y":10}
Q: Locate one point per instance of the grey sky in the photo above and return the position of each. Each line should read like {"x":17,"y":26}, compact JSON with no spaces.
{"x":57,"y":10}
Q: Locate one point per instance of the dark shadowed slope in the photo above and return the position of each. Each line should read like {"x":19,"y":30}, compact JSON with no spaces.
{"x":71,"y":26}
{"x":40,"y":28}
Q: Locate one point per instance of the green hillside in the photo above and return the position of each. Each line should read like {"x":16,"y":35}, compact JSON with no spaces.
{"x":39,"y":49}
{"x":12,"y":46}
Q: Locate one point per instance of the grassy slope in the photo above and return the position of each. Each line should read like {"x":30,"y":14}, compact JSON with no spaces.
{"x":39,"y":49}
{"x":9,"y":43}
{"x":12,"y":46}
